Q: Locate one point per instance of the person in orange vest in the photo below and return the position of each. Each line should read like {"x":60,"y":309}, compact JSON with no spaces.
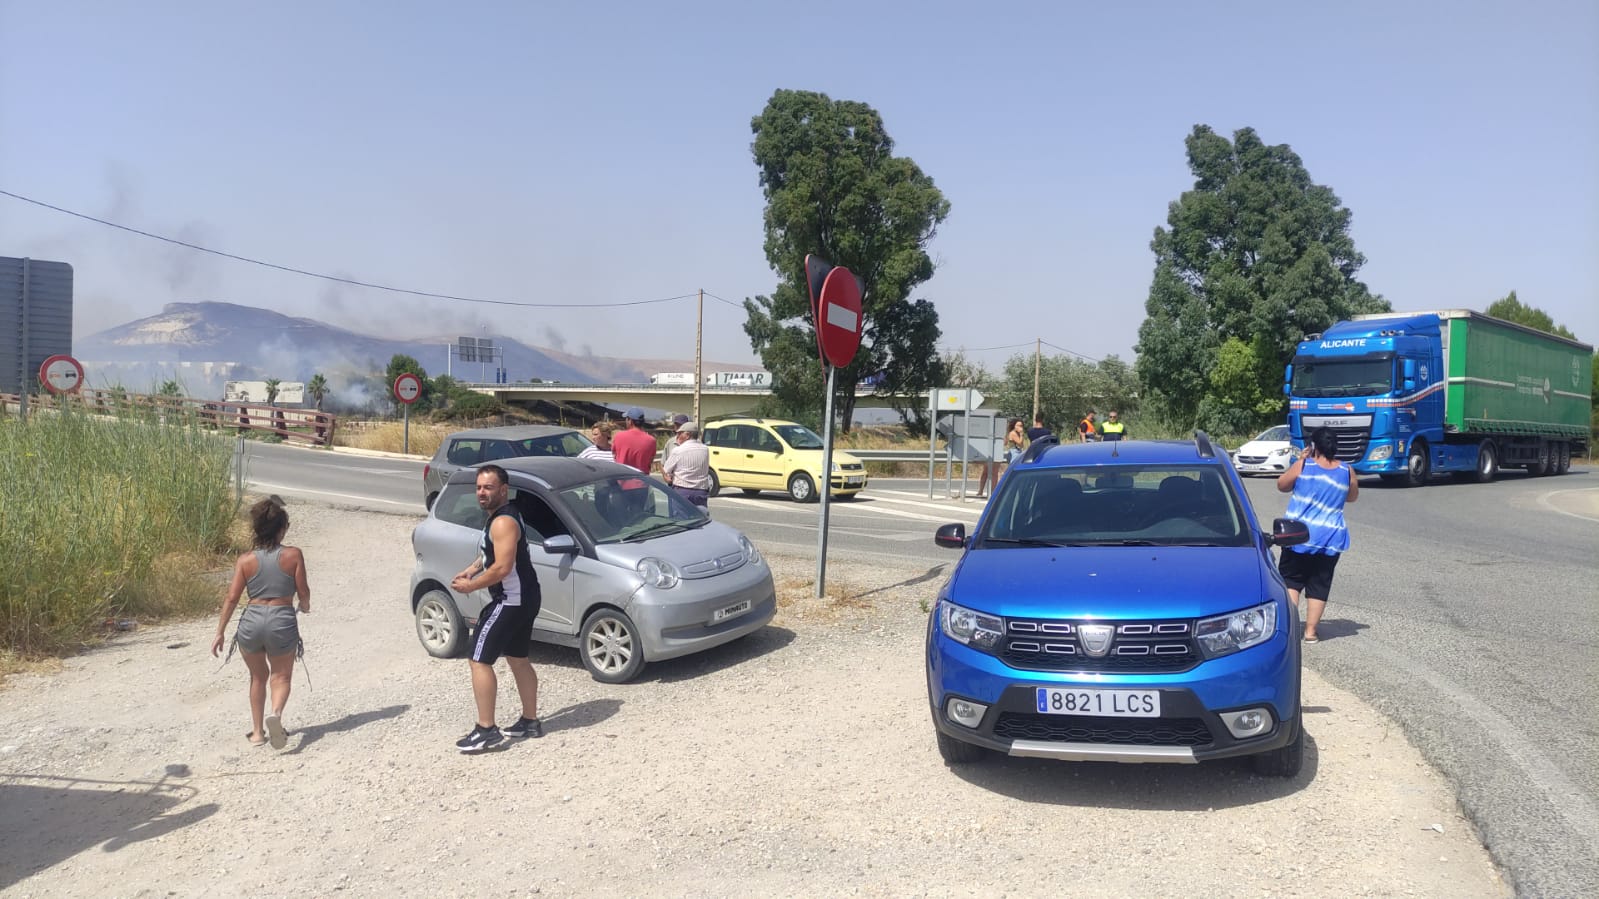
{"x":1085,"y":428}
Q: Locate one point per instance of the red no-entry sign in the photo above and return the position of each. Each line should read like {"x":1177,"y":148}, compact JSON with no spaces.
{"x":838,"y":317}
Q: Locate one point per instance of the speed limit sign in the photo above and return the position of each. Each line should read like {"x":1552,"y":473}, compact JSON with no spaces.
{"x":407,"y":388}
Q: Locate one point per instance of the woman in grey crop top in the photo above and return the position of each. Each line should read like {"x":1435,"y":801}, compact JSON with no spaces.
{"x":268,"y":636}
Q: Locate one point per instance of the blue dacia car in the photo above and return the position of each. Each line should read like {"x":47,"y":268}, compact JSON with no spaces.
{"x":1118,"y":602}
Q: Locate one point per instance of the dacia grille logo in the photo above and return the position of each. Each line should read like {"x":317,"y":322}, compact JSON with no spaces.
{"x":1096,"y":639}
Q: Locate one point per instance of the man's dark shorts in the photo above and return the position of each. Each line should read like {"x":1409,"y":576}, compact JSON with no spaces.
{"x":695,"y":497}
{"x":503,"y":631}
{"x":1309,"y":572}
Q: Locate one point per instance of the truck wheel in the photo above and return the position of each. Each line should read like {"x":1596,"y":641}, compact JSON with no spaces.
{"x":1565,"y":459}
{"x":1418,"y":465}
{"x":1487,"y":462}
{"x":1541,"y":467}
{"x":1560,"y":458}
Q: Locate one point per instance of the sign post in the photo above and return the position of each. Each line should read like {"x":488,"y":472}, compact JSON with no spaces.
{"x":836,"y":311}
{"x":407,"y":388}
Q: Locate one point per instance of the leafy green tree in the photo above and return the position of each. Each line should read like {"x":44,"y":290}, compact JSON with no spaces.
{"x":318,"y":388}
{"x":170,"y":388}
{"x":1257,"y":252}
{"x":400,"y":364}
{"x":1067,"y":388}
{"x":834,"y":188}
{"x":272,"y":385}
{"x":1512,"y":310}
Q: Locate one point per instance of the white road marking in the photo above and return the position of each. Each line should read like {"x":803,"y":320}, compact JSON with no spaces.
{"x":1543,"y":500}
{"x":354,"y":496}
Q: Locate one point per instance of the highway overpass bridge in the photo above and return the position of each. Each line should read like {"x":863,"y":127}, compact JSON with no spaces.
{"x":714,"y":401}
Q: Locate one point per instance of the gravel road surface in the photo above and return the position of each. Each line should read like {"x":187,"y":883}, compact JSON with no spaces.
{"x":799,"y":761}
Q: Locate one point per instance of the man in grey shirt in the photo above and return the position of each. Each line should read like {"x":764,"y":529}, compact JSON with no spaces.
{"x":688,"y":465}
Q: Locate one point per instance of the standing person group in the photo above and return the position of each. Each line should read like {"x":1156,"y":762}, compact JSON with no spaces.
{"x":268,"y":635}
{"x":1321,"y":488}
{"x":1012,"y":447}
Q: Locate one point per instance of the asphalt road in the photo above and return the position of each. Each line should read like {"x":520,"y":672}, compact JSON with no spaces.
{"x":1469,"y":613}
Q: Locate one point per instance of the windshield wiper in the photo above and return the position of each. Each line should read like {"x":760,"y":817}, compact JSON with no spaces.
{"x":1027,"y":541}
{"x":665,"y":527}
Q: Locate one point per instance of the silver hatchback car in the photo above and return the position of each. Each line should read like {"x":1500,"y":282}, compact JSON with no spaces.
{"x":629,"y":572}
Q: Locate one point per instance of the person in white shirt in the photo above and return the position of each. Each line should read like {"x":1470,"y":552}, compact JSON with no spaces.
{"x":601,"y":435}
{"x":688,"y":466}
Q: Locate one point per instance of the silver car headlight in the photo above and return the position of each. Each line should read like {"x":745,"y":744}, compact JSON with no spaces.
{"x":751,"y":554}
{"x":658,"y":572}
{"x":1225,"y":634}
{"x":978,"y":630}
{"x":1282,"y":451}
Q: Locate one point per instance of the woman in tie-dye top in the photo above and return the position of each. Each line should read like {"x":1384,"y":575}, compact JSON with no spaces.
{"x":1322,"y":487}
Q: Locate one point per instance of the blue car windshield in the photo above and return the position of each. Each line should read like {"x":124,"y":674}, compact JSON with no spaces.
{"x":1122,"y":505}
{"x":626,"y":507}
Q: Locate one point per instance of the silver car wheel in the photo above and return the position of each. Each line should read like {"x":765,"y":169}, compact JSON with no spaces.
{"x":610,"y":646}
{"x":439,"y":625}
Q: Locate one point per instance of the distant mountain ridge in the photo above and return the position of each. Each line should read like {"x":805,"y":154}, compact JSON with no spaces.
{"x":212,"y":341}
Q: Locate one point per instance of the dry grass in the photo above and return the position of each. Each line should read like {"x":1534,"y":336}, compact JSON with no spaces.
{"x":797,"y":601}
{"x":389,"y":437}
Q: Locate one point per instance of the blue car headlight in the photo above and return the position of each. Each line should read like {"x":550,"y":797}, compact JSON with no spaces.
{"x":978,"y":630}
{"x":1229,"y":633}
{"x":657,"y":572}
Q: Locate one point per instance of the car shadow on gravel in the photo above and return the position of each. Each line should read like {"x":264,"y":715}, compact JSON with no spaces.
{"x":305,"y":736}
{"x":46,"y":820}
{"x":1224,"y":783}
{"x":768,"y":639}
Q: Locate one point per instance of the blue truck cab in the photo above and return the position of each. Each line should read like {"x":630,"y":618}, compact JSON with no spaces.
{"x":1117,"y":602}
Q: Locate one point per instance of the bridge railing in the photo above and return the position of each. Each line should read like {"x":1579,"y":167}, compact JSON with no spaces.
{"x":309,"y":426}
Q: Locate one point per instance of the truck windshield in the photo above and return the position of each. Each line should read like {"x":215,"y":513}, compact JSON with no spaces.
{"x":1343,"y":377}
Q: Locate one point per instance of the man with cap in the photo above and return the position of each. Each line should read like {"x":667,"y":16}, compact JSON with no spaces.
{"x":635,"y":446}
{"x":678,"y":421}
{"x":688,"y":465}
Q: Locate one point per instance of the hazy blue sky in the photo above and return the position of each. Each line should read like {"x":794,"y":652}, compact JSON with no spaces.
{"x":599,"y":152}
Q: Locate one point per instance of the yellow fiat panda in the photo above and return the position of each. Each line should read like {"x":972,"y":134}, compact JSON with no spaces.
{"x":755,"y":454}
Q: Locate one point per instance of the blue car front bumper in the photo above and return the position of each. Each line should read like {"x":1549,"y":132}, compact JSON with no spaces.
{"x":1190,"y":727}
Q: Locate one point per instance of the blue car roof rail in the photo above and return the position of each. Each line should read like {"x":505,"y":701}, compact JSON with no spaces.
{"x":1037,"y":447}
{"x":1202,"y":443}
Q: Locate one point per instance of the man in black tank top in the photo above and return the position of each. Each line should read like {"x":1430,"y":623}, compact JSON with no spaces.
{"x":504,"y":627}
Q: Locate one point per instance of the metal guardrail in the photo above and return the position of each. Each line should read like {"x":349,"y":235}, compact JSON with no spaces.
{"x":871,"y":455}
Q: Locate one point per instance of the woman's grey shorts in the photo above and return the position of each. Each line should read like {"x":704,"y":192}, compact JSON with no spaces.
{"x":270,"y":629}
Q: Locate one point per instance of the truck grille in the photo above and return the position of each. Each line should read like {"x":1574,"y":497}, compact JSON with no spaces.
{"x":1113,"y":731}
{"x":1351,"y":443}
{"x":1149,"y":647}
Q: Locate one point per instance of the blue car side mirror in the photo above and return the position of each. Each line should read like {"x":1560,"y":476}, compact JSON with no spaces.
{"x":951,"y":536}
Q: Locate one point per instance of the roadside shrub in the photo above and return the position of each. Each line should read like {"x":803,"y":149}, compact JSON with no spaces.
{"x":474,"y":406}
{"x":97,"y":512}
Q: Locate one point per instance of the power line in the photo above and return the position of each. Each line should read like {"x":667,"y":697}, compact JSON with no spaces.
{"x":985,"y":349}
{"x":1071,"y":352}
{"x":728,"y":302}
{"x":335,"y":278}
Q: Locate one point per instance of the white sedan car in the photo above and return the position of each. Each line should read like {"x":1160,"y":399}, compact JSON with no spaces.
{"x":1271,"y":452}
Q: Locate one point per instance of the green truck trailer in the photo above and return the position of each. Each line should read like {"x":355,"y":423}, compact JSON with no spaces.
{"x":1412,"y":394}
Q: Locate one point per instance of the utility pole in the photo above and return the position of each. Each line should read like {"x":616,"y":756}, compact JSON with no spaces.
{"x":1038,"y":346}
{"x":699,"y":363}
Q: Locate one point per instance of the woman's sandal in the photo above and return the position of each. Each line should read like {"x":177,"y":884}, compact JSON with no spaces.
{"x":250,"y":735}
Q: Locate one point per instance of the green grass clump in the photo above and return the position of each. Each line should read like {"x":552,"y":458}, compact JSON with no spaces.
{"x":104,"y":517}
